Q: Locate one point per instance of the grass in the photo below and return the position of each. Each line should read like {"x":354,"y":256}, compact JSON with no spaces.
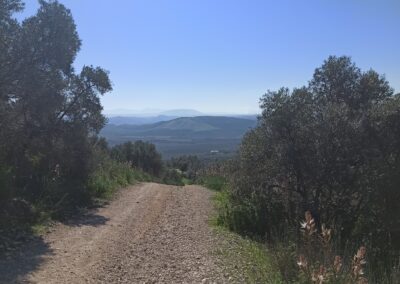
{"x":246,"y":260}
{"x":213,"y":182}
{"x":113,"y":175}
{"x":187,"y":181}
{"x":279,"y":262}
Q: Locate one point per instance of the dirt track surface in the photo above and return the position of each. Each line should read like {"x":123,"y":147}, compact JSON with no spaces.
{"x":150,"y":233}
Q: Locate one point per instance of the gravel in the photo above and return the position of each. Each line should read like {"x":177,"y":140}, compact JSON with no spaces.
{"x":150,"y":233}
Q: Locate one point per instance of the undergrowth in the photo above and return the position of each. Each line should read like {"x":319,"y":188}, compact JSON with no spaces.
{"x":311,"y":258}
{"x":246,"y":260}
{"x":112,"y":175}
{"x":213,"y":182}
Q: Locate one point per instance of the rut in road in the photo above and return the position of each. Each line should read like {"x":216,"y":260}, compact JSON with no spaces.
{"x":150,"y":233}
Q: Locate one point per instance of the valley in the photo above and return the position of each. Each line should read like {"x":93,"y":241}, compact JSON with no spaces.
{"x":208,"y":137}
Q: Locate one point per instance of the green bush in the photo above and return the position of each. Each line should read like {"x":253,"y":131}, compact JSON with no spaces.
{"x":213,"y":182}
{"x":333,"y":148}
{"x":172,"y":177}
{"x":112,"y":175}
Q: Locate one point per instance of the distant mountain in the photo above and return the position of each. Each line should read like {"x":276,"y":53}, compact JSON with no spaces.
{"x":152,"y":113}
{"x":118,"y":120}
{"x":140,"y":120}
{"x":246,"y":116}
{"x":182,"y":113}
{"x":200,"y":127}
{"x":185,"y":135}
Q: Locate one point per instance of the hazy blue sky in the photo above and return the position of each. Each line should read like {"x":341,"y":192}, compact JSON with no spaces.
{"x":221,"y":56}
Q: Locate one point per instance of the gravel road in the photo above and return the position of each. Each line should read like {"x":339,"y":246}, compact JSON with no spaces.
{"x":150,"y":233}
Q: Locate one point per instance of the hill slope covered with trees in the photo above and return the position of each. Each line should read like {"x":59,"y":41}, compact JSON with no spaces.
{"x":186,"y":135}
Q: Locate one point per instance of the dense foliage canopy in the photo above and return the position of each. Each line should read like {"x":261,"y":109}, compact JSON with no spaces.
{"x":49,"y":114}
{"x":142,"y":155}
{"x":332,"y":147}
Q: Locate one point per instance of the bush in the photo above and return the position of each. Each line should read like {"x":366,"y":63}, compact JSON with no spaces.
{"x":112,"y":175}
{"x":331,"y":148}
{"x":187,"y":165}
{"x":172,"y":177}
{"x":141,"y":155}
{"x":213,"y":182}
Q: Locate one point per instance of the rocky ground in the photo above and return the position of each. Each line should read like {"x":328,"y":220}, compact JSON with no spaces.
{"x":150,"y":233}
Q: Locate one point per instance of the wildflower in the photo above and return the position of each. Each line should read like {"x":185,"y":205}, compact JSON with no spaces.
{"x":319,"y":276}
{"x":302,"y":262}
{"x":326,"y":234}
{"x":337,"y":264}
{"x":314,"y":277}
{"x":308,"y":227}
{"x":358,"y":263}
{"x":361,"y":254}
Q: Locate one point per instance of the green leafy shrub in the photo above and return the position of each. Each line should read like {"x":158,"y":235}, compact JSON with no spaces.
{"x":112,"y":175}
{"x":333,"y":148}
{"x":213,"y":182}
{"x":141,"y":155}
{"x":172,"y":177}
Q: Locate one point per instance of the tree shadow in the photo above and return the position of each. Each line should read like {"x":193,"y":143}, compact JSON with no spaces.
{"x":22,"y":252}
{"x":17,"y":262}
{"x":90,"y":218}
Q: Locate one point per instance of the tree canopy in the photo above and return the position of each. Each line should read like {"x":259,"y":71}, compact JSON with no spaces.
{"x":49,"y":113}
{"x":331,"y":147}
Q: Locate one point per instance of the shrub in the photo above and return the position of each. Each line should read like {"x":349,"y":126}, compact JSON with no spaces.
{"x":319,"y":263}
{"x":213,"y":182}
{"x":172,"y":177}
{"x":333,"y":148}
{"x":141,"y":155}
{"x":112,"y":175}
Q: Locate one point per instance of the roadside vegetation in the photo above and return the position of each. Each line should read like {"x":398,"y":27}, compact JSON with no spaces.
{"x":245,"y":260}
{"x":330,"y":149}
{"x":52,"y":160}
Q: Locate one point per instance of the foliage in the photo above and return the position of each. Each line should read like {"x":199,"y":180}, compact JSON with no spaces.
{"x":333,"y":148}
{"x":139,"y":154}
{"x":213,"y":182}
{"x":189,"y":165}
{"x":111,"y":175}
{"x":246,"y":260}
{"x":319,"y":263}
{"x":172,"y":177}
{"x":50,"y":114}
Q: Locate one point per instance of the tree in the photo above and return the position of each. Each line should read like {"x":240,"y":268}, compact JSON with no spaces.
{"x":189,"y":165}
{"x":142,"y":155}
{"x":331,"y":147}
{"x":51,"y":113}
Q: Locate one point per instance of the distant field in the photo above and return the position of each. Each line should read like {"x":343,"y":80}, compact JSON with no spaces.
{"x":206,"y":136}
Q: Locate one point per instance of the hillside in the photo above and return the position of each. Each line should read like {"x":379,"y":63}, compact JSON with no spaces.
{"x":150,"y":119}
{"x":185,"y":135}
{"x":139,"y":120}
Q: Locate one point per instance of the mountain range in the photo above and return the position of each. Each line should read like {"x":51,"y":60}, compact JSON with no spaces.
{"x":140,"y":120}
{"x":153,"y":112}
{"x":185,"y":135}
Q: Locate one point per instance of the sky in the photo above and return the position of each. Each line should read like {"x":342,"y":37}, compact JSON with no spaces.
{"x":221,"y":56}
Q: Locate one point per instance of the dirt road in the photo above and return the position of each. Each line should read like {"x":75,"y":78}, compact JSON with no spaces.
{"x":150,"y":233}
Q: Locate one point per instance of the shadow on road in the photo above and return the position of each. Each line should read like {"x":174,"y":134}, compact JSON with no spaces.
{"x":87,"y":219}
{"x":21,"y":252}
{"x":16,"y":263}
